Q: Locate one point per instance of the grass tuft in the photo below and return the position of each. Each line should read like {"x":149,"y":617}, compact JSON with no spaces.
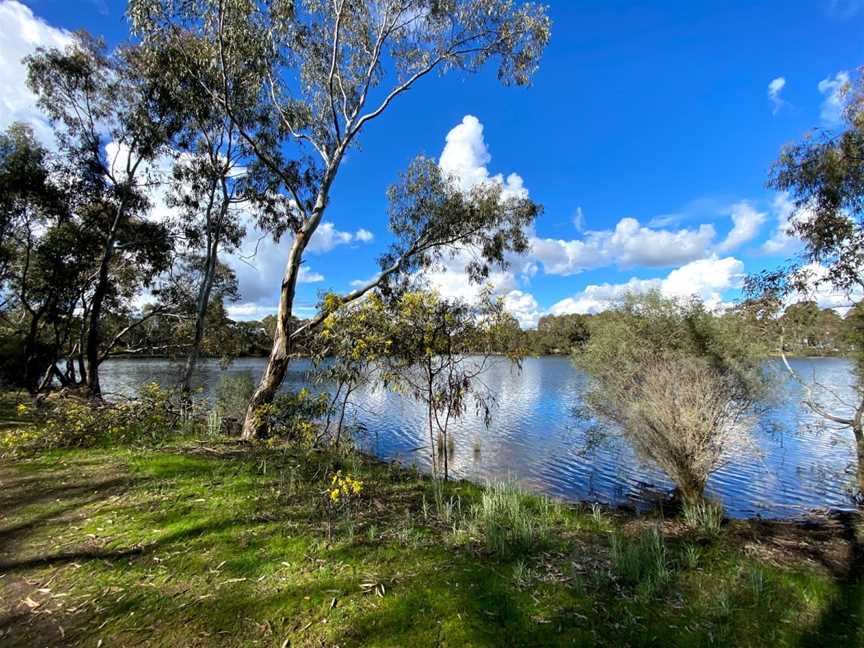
{"x":511,"y":522}
{"x":703,"y":517}
{"x":641,"y":562}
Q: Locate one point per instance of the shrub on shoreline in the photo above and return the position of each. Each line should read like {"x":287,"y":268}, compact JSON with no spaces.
{"x":66,"y":422}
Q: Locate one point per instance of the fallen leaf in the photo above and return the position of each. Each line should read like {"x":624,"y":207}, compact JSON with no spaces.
{"x":29,"y":602}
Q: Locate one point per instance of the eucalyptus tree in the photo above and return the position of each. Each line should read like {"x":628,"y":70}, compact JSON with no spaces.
{"x":110,"y":122}
{"x":423,"y":346}
{"x":436,"y":353}
{"x":348,"y":350}
{"x":825,"y":176}
{"x":206,"y":192}
{"x":208,"y":188}
{"x":25,"y":189}
{"x":302,"y":80}
{"x":40,"y":253}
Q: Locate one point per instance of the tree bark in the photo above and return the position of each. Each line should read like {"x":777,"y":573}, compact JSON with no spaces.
{"x":342,"y":418}
{"x":858,"y":431}
{"x":94,"y":330}
{"x":31,"y":379}
{"x":691,"y":487}
{"x":277,"y":363}
{"x":433,"y":449}
{"x":203,"y":301}
{"x":446,"y":459}
{"x":200,"y":317}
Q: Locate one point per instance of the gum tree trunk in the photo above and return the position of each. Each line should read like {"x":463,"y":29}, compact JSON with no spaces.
{"x":204,"y":290}
{"x":94,"y":329}
{"x":277,"y":363}
{"x":200,"y":316}
{"x":858,"y":431}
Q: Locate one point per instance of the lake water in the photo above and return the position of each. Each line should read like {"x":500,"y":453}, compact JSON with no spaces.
{"x":797,"y":463}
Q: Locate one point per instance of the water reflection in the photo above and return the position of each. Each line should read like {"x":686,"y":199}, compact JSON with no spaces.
{"x":799,"y":464}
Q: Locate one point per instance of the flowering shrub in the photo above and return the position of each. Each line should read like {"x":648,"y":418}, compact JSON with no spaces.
{"x":72,"y":423}
{"x":14,"y":441}
{"x":343,"y":488}
{"x":338,"y":498}
{"x":294,"y":415}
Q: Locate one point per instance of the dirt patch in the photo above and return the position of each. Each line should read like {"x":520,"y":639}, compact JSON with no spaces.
{"x":828,"y":542}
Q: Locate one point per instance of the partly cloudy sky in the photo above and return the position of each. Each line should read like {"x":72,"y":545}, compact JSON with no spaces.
{"x":647,"y":136}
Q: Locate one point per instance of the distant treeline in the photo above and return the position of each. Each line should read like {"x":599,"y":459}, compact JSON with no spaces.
{"x":803,"y":329}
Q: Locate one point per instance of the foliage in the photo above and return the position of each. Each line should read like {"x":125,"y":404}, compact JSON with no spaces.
{"x":233,"y":392}
{"x":433,"y":218}
{"x":300,"y":81}
{"x":704,"y":517}
{"x":560,"y":334}
{"x":420,"y":345}
{"x":150,"y":419}
{"x":436,"y":353}
{"x":676,"y":381}
{"x":214,"y":423}
{"x":348,"y":349}
{"x":44,"y":257}
{"x":110,"y":123}
{"x":825,"y":177}
{"x":294,"y":416}
{"x":343,"y":488}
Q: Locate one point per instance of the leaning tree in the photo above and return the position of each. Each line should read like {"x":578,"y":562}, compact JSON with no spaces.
{"x":301,"y":81}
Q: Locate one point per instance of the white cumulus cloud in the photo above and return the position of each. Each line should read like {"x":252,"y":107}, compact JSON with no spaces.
{"x":783,"y":239}
{"x":465,"y":157}
{"x":706,"y":279}
{"x":774,"y":89}
{"x":629,"y":244}
{"x":834,"y":91}
{"x":364,"y":235}
{"x":746,"y":222}
{"x":599,"y":297}
{"x":327,"y":237}
{"x":524,"y":307}
{"x":21,"y":32}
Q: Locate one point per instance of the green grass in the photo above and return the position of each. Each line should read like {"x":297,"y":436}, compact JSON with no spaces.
{"x":641,"y":562}
{"x":703,"y":517}
{"x":511,"y":522}
{"x":217,"y":545}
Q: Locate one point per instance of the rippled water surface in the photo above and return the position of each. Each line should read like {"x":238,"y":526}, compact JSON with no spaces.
{"x":797,"y":464}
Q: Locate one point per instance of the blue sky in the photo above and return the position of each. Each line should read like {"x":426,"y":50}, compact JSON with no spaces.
{"x":647,"y":136}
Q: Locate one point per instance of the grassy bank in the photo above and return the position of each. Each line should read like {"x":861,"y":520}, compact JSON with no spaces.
{"x":212,"y":544}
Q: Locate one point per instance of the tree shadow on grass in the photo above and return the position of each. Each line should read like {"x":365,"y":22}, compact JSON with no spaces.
{"x":841,"y":623}
{"x":452,"y":597}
